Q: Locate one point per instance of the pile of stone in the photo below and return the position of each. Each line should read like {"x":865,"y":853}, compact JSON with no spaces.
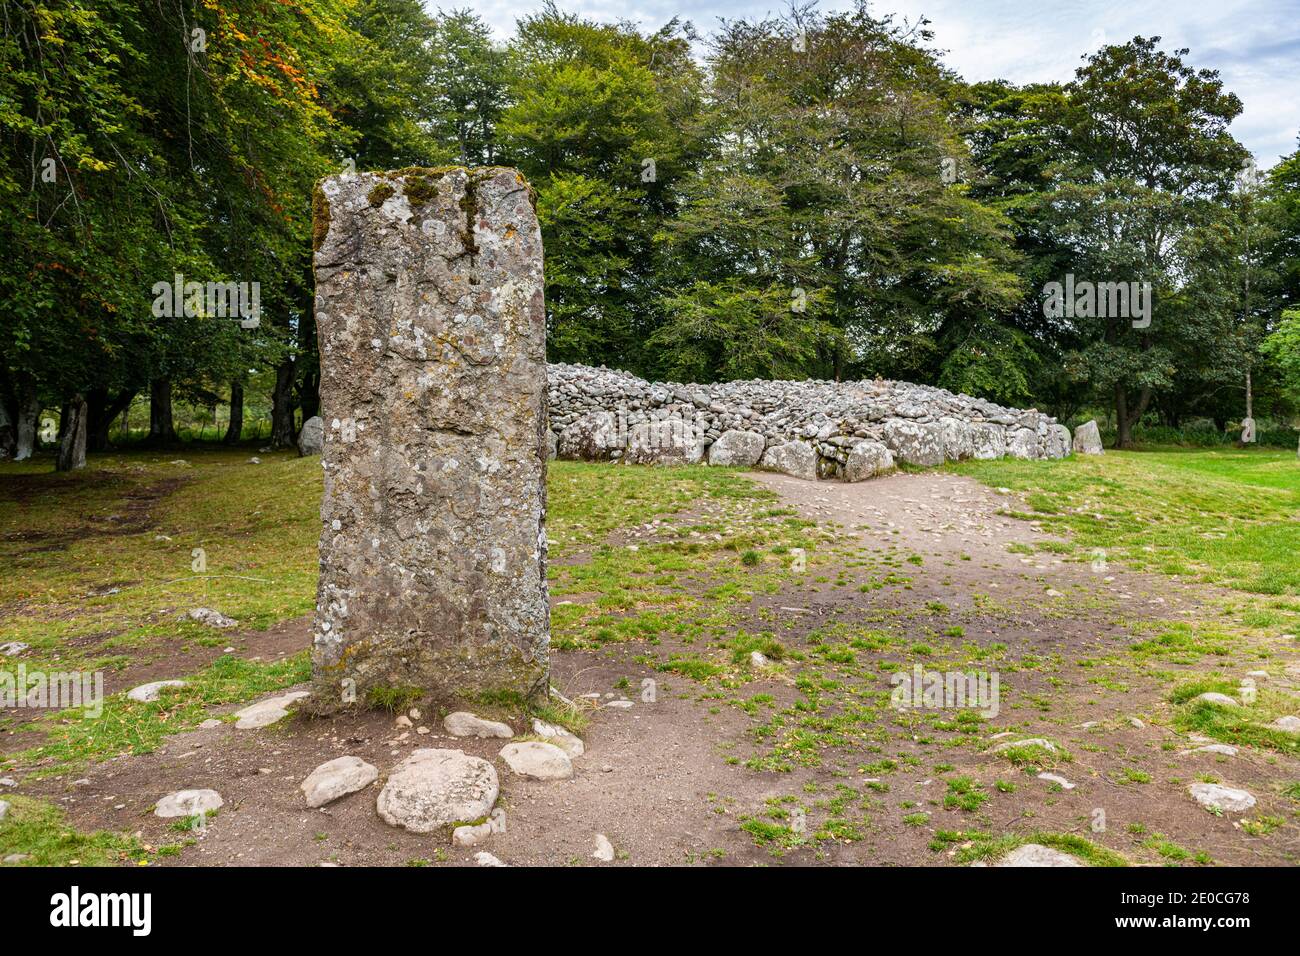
{"x":809,"y":429}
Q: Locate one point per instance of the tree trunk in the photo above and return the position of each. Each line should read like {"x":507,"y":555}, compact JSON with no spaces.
{"x":235,"y":430}
{"x":8,"y":429}
{"x":29,"y":411}
{"x":1124,"y":433}
{"x":282,"y":430}
{"x":72,"y":447}
{"x":162,"y":430}
{"x":102,"y":410}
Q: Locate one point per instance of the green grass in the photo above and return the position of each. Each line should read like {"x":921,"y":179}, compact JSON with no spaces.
{"x":38,"y":831}
{"x":1222,"y":516}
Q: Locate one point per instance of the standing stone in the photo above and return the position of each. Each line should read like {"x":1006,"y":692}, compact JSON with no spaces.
{"x":989,"y":441}
{"x":796,"y":458}
{"x":433,"y":391}
{"x":1247,"y":431}
{"x":312,"y":437}
{"x":866,"y":460}
{"x":917,"y":443}
{"x":1087,"y":439}
{"x":737,"y":449}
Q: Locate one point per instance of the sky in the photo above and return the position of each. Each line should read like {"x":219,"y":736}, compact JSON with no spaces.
{"x":1254,"y":44}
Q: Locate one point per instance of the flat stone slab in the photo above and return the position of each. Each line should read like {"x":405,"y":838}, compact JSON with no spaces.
{"x":266,"y":712}
{"x":1224,"y":750}
{"x":462,"y":723}
{"x":188,"y":803}
{"x":1035,"y":854}
{"x":540,"y":761}
{"x":337,"y":778}
{"x":1027,"y":742}
{"x":1214,"y":796}
{"x":1056,"y":779}
{"x":435,"y":788}
{"x":146,"y":693}
{"x":1289,"y":723}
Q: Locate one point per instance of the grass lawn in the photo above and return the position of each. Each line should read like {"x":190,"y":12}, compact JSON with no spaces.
{"x":103,"y":564}
{"x":1224,"y":517}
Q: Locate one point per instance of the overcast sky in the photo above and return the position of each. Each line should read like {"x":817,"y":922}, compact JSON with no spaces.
{"x":1254,"y":44}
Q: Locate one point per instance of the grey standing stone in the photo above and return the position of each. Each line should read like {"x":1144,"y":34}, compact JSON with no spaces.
{"x":662,"y":443}
{"x":988,"y":440}
{"x":917,"y":443}
{"x":433,"y":391}
{"x":737,"y":449}
{"x":1087,"y":439}
{"x":1063,"y":445}
{"x":866,"y":460}
{"x":312,"y":437}
{"x":796,"y":458}
{"x":593,"y":437}
{"x":958,"y":439}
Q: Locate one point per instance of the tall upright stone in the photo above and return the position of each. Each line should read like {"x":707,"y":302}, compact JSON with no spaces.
{"x":433,"y":394}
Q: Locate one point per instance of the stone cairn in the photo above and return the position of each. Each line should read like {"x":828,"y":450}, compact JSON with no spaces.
{"x":433,"y":400}
{"x":810,"y":429}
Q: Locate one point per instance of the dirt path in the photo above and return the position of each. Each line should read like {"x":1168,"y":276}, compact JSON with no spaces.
{"x":727,"y":773}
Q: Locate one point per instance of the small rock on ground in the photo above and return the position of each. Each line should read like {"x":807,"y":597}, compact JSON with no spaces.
{"x":266,"y":712}
{"x":337,"y":778}
{"x":604,"y":849}
{"x":1056,"y":779}
{"x":487,"y":859}
{"x":464,"y":724}
{"x":1029,"y":742}
{"x":434,"y":788}
{"x":205,"y":615}
{"x":471,"y":836}
{"x":540,"y":761}
{"x":188,"y":803}
{"x":1035,"y":854}
{"x":560,"y":736}
{"x":4,"y":808}
{"x":1223,"y":700}
{"x":1223,"y":749}
{"x":1289,"y":723}
{"x":151,"y":691}
{"x":1214,"y":796}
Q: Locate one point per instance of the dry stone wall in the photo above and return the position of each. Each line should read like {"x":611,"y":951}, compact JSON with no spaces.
{"x":810,"y":429}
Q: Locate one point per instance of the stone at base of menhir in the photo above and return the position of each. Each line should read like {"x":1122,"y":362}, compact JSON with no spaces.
{"x":433,"y":395}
